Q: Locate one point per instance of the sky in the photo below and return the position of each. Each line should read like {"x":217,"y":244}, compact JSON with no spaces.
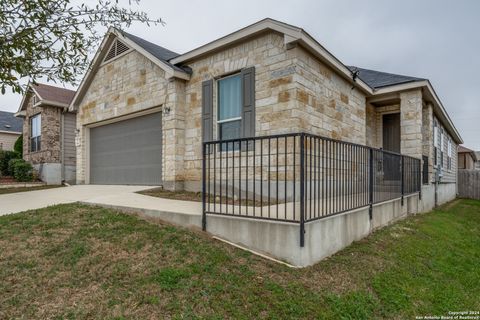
{"x":434,"y":39}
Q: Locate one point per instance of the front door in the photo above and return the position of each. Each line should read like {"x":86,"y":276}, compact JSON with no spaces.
{"x":391,"y":142}
{"x":391,"y":132}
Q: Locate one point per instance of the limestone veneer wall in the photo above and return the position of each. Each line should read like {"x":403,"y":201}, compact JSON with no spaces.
{"x":128,"y":84}
{"x":294,"y":92}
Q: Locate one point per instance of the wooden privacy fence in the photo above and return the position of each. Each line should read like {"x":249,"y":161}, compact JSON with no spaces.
{"x":469,"y":184}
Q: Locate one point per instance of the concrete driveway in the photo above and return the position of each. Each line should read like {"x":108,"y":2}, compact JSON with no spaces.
{"x":21,"y":201}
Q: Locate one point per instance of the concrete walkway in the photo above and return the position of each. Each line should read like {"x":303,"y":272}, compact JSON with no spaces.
{"x":21,"y":201}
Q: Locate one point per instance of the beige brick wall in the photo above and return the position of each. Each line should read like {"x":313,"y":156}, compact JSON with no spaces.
{"x":327,"y":104}
{"x":411,"y":105}
{"x":7,"y":140}
{"x":274,"y":77}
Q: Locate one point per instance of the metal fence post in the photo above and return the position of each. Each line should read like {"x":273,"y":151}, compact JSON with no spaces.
{"x":402,"y":171}
{"x":302,"y":190}
{"x":204,"y":188}
{"x":370,"y":185}
{"x":420,"y":168}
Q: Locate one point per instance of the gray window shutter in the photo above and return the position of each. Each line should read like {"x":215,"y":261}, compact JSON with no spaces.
{"x":207,"y":110}
{"x":248,"y":103}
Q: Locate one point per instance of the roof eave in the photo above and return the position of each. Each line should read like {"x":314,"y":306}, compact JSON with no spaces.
{"x":51,"y":103}
{"x":291,"y":34}
{"x":97,"y":61}
{"x":20,"y":114}
{"x":437,"y":102}
{"x":11,"y":132}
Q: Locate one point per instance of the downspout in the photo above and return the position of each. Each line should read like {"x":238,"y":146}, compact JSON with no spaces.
{"x":62,"y":142}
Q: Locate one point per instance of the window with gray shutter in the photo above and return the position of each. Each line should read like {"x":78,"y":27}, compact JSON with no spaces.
{"x":235,"y":108}
{"x":248,"y":102}
{"x":207,"y":110}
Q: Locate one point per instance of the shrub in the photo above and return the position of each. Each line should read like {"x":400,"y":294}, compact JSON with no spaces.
{"x":18,"y":146}
{"x":11,"y":165}
{"x":22,"y":171}
{"x":5,"y":157}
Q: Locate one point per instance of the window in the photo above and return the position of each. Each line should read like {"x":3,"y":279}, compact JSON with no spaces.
{"x":35,"y":133}
{"x":449,"y":154}
{"x":229,"y":107}
{"x":425,"y":170}
{"x":435,"y":143}
{"x":442,"y":148}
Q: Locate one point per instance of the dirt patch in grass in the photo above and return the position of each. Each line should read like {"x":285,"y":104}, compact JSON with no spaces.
{"x":24,"y":189}
{"x":197,"y":197}
{"x":83,"y":262}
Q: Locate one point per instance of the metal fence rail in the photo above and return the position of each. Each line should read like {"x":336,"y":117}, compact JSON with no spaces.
{"x":300,"y":177}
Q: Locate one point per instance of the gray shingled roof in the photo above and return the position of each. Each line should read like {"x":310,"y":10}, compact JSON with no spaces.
{"x":8,"y":122}
{"x":377,"y":79}
{"x":157,"y":51}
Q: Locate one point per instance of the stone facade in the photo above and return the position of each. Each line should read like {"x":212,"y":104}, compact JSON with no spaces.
{"x":411,"y":104}
{"x":50,"y":151}
{"x":416,"y":137}
{"x":128,"y":84}
{"x":294,"y":92}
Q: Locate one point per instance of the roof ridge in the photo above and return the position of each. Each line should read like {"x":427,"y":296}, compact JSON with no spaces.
{"x":389,"y":73}
{"x":52,"y":86}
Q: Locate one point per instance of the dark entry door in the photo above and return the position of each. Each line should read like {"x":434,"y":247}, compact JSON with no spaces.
{"x":391,"y":132}
{"x":391,"y":142}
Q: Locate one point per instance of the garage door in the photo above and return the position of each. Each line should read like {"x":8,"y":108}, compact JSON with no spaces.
{"x":127,"y":152}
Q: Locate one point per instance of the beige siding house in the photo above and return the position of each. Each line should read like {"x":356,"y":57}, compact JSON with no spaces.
{"x":49,"y":132}
{"x":467,"y":158}
{"x":10,"y":130}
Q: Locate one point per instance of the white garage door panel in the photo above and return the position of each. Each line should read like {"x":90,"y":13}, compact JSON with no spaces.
{"x":127,"y":152}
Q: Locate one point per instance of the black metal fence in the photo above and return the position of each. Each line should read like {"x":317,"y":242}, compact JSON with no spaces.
{"x":300,"y":177}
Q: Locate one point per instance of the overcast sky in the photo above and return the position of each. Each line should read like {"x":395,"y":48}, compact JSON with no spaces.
{"x":438,"y":40}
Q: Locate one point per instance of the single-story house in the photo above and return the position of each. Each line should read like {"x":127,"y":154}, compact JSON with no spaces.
{"x":266,"y":112}
{"x":157,"y":98}
{"x":467,"y":158}
{"x":49,"y":132}
{"x":10,"y":130}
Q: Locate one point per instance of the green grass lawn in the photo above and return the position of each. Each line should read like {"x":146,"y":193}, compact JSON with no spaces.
{"x":78,"y":262}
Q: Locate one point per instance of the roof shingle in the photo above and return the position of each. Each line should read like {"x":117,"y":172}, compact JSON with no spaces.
{"x":10,"y":123}
{"x":55,"y":94}
{"x":157,"y":51}
{"x":377,"y":79}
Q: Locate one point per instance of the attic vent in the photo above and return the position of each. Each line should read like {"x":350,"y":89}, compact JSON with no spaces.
{"x":8,"y":126}
{"x":116,"y":49}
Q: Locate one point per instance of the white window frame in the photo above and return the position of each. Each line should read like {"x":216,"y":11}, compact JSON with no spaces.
{"x":219,"y":122}
{"x":38,"y":135}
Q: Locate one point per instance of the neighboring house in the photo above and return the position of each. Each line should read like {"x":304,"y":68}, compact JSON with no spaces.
{"x":49,"y":132}
{"x":10,"y":130}
{"x":142,"y":99}
{"x":477,"y":164}
{"x":467,"y":158}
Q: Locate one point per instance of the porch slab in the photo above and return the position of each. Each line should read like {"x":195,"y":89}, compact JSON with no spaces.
{"x":179,"y":212}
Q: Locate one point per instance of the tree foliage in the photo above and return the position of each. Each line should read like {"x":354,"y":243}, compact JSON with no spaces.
{"x":52,"y":39}
{"x":18,"y":146}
